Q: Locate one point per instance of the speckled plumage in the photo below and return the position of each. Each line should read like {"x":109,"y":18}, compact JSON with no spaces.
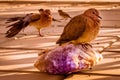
{"x":63,"y":14}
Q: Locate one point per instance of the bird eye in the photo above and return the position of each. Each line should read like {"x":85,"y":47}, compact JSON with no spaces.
{"x":93,"y":13}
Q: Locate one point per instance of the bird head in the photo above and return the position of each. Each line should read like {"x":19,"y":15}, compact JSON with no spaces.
{"x":92,"y":13}
{"x":47,"y":11}
{"x":59,"y":10}
{"x":41,"y":10}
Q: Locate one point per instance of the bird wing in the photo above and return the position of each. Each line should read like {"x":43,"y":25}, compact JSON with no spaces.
{"x":30,"y":18}
{"x":73,"y":29}
{"x":34,"y":17}
{"x":64,"y":14}
{"x":16,"y":27}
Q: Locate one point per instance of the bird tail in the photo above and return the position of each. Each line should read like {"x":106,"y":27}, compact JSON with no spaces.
{"x":60,"y":42}
{"x":13,"y":19}
{"x":15,"y":28}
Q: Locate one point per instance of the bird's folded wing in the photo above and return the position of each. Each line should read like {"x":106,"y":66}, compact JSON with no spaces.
{"x":65,"y":14}
{"x":74,"y":29}
{"x":34,"y":17}
{"x":30,"y":18}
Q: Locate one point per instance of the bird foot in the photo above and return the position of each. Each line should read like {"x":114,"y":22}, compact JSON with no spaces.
{"x":86,"y":45}
{"x":41,"y":35}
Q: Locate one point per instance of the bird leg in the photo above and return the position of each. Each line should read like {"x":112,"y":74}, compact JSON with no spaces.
{"x":40,"y":34}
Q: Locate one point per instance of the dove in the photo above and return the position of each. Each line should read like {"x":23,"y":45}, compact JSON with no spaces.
{"x":81,"y":29}
{"x":38,"y":20}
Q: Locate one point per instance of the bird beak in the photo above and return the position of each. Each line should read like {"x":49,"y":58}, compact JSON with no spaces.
{"x":99,"y":16}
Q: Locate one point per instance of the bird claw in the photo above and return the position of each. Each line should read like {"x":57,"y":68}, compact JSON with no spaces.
{"x":41,"y":35}
{"x":86,"y":45}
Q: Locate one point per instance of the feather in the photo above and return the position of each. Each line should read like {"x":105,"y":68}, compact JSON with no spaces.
{"x":15,"y":29}
{"x":14,"y":19}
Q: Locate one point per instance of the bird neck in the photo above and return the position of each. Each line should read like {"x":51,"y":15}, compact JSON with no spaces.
{"x":95,"y":19}
{"x":45,"y":16}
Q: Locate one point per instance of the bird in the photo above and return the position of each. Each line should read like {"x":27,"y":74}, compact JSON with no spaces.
{"x":63,"y":14}
{"x":38,"y":20}
{"x":81,"y":29}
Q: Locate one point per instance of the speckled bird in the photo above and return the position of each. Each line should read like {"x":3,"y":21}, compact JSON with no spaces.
{"x":63,"y":14}
{"x":38,"y":20}
{"x":81,"y":29}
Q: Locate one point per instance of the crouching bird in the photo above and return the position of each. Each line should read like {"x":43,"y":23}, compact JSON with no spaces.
{"x":82,"y":28}
{"x":63,"y":14}
{"x":38,"y":20}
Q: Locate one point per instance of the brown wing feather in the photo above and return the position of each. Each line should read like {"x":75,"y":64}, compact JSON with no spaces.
{"x":16,"y":27}
{"x":65,"y":14}
{"x":35,"y":17}
{"x":73,"y":30}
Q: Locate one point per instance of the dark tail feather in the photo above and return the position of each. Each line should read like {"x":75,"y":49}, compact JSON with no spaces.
{"x":15,"y":29}
{"x":62,"y":41}
{"x":14,"y":24}
{"x":59,"y":42}
{"x":13,"y":19}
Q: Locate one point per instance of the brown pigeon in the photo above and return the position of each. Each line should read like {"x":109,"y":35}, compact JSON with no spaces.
{"x":82,"y":28}
{"x":41,"y":20}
